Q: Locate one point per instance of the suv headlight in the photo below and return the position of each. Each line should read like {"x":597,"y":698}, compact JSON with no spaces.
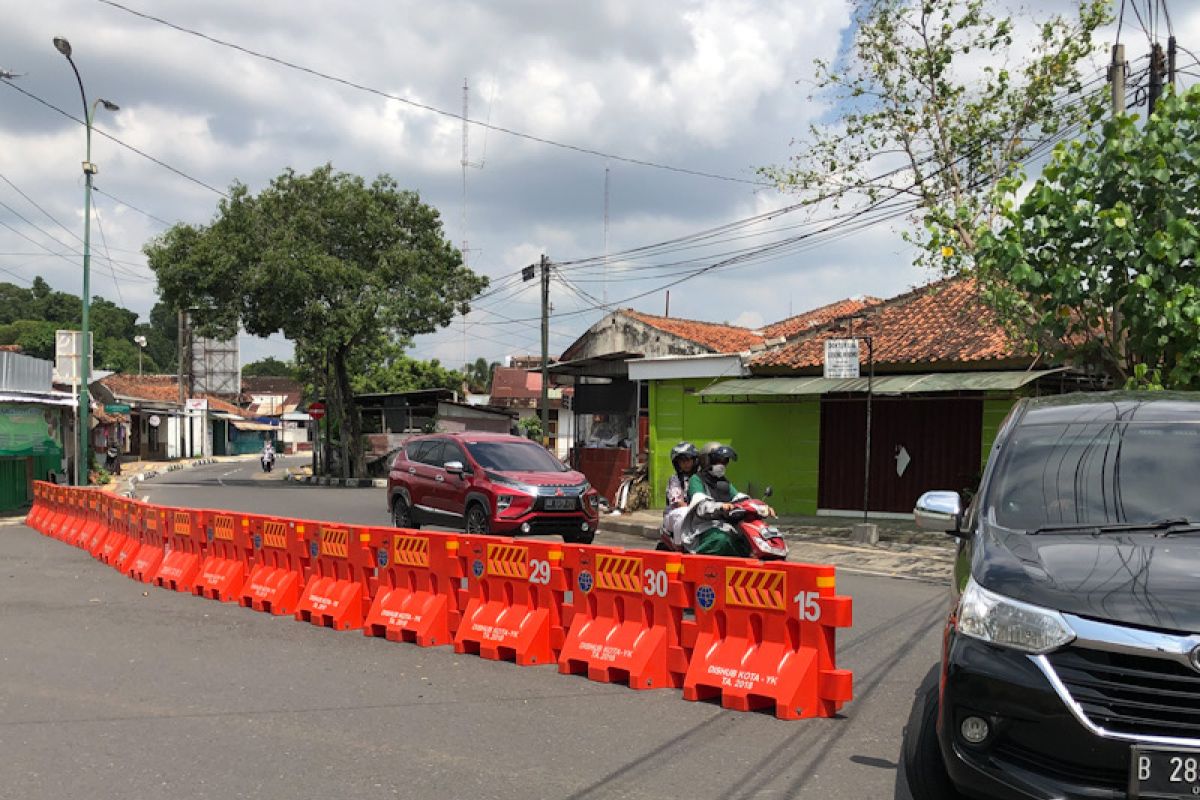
{"x":1010,"y":623}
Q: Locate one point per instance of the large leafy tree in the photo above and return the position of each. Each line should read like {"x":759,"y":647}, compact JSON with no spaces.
{"x":396,"y":372}
{"x":338,"y":265}
{"x":935,"y":101}
{"x":479,"y":374}
{"x":1098,"y":261}
{"x":270,"y":367}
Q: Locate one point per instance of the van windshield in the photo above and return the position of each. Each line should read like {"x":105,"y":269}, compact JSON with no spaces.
{"x":1097,"y":473}
{"x":514,"y":457}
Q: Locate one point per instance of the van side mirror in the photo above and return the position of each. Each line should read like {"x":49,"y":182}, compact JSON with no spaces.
{"x":939,"y":511}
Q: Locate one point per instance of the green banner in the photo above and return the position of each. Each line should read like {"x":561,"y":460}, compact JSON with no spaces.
{"x":116,"y":408}
{"x":27,"y":430}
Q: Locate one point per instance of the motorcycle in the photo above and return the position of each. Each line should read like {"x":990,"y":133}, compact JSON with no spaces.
{"x":268,"y":461}
{"x":748,"y":518}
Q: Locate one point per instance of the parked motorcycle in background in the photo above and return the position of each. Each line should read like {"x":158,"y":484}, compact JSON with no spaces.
{"x":747,"y":518}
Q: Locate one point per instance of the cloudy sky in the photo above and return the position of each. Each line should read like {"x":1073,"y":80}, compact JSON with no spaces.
{"x":697,"y":86}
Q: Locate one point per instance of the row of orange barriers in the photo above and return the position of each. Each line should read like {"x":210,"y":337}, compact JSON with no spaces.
{"x":754,"y":636}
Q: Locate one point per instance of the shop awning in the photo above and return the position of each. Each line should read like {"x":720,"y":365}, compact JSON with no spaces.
{"x":750,"y":388}
{"x":40,"y":399}
{"x":247,"y":425}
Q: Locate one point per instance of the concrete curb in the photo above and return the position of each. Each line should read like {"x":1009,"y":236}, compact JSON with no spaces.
{"x":348,"y":483}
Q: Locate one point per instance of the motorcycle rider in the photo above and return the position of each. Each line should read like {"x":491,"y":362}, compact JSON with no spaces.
{"x":684,"y":458}
{"x":268,"y":455}
{"x":711,"y":497}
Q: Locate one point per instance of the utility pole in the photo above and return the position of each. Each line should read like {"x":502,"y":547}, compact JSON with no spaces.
{"x":183,"y":351}
{"x":545,"y":401}
{"x":1171,"y":61}
{"x":1116,"y":77}
{"x":1157,"y":68}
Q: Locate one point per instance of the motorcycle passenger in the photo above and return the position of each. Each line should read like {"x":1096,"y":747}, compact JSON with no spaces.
{"x":684,"y":458}
{"x":711,"y":497}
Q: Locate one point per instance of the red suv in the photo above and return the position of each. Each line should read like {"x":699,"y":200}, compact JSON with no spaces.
{"x":489,"y":483}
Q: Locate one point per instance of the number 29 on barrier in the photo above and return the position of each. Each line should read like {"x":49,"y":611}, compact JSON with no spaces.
{"x":810,"y":609}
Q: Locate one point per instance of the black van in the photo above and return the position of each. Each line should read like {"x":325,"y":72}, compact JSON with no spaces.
{"x":1071,"y":659}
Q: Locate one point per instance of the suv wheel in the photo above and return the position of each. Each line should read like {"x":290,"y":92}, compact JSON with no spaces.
{"x":922,"y":755}
{"x":401,"y":513}
{"x":477,"y":519}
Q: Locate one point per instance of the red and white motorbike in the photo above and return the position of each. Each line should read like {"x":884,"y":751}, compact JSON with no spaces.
{"x":747,"y":518}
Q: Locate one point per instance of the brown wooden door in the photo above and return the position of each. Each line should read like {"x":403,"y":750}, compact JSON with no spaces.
{"x":938,"y":436}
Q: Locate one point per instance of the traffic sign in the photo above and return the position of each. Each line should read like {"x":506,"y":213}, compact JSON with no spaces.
{"x":316,"y":410}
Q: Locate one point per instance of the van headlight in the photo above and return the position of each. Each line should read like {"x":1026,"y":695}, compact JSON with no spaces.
{"x":1005,"y":622}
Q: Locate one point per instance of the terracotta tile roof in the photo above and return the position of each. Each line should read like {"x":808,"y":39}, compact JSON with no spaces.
{"x":160,"y":388}
{"x":944,"y":322}
{"x":12,"y":348}
{"x":713,"y":336}
{"x":793,"y":326}
{"x":288,"y":388}
{"x":514,"y":382}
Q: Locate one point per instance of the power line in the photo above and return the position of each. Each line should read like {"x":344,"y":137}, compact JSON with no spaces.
{"x":426,"y":107}
{"x":104,"y":244}
{"x":112,"y":138}
{"x":132,"y":207}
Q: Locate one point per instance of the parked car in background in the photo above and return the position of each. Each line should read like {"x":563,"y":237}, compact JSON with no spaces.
{"x":1071,"y":658}
{"x":489,"y":483}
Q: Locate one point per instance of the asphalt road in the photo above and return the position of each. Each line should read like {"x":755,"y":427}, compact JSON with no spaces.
{"x":113,"y":689}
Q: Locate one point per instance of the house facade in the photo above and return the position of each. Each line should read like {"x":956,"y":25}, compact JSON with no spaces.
{"x":945,"y":375}
{"x":35,"y":432}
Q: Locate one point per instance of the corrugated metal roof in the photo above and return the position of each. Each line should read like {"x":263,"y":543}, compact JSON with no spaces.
{"x":882,"y":384}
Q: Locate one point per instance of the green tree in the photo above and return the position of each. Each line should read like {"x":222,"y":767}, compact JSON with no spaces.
{"x":270,"y":367}
{"x":36,"y":337}
{"x":919,"y":125}
{"x":339,"y":266}
{"x":399,"y":373}
{"x":162,"y":337}
{"x":478,"y":374}
{"x":15,"y":302}
{"x":1098,"y":261}
{"x":531,"y":427}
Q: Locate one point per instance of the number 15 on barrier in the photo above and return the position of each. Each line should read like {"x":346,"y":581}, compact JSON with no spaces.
{"x":810,"y":609}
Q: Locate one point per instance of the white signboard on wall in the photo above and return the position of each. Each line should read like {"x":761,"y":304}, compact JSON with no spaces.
{"x":841,"y":358}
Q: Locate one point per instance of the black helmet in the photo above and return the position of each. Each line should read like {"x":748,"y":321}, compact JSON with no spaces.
{"x":715,"y":452}
{"x":683,"y":450}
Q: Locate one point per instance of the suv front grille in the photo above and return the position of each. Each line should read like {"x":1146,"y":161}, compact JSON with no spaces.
{"x":1131,"y":694}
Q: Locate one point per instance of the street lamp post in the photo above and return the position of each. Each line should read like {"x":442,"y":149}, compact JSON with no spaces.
{"x":140,"y":341}
{"x":89,"y":169}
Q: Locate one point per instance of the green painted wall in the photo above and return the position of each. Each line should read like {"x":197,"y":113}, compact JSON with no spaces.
{"x":777,"y":443}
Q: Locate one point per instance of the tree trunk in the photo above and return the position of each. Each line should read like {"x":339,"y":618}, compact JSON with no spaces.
{"x":353,"y":453}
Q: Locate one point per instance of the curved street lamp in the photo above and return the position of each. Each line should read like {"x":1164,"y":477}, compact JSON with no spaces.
{"x":89,"y":169}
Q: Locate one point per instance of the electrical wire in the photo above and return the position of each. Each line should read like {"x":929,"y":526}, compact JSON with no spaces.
{"x":114,"y":139}
{"x":426,"y":107}
{"x":104,"y":244}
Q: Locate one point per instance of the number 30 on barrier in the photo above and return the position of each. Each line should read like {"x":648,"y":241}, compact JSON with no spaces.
{"x":656,"y":583}
{"x":810,"y":609}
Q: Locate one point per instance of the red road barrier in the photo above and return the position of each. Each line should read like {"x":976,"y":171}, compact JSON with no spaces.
{"x":82,"y":535}
{"x":76,"y":516}
{"x":417,"y":596}
{"x":40,"y":507}
{"x":228,"y":557}
{"x":184,"y":550}
{"x":58,"y":515}
{"x":514,"y":608}
{"x":280,"y":568}
{"x":128,"y":547}
{"x":149,"y":557}
{"x":118,"y":531}
{"x":627,"y":623}
{"x":338,"y":592}
{"x":766,"y":636}
{"x":94,"y":540}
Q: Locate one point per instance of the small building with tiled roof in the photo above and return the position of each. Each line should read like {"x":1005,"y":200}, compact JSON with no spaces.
{"x":938,"y":371}
{"x":160,"y":427}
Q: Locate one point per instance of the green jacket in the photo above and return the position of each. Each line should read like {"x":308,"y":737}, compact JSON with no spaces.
{"x":696,"y":486}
